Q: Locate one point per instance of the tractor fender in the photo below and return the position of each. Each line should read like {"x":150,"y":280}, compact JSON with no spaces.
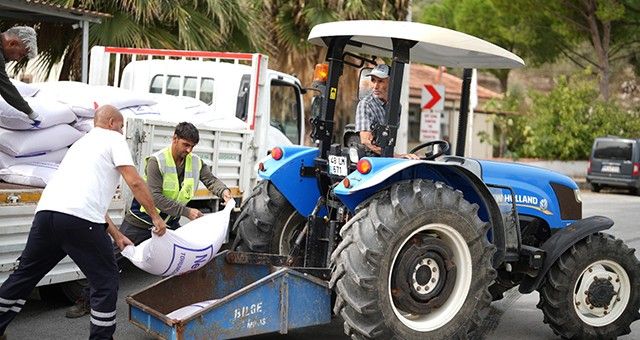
{"x":387,"y":171}
{"x":287,"y":175}
{"x":559,"y":242}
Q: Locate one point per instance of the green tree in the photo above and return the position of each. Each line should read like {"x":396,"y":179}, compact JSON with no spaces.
{"x":564,"y":122}
{"x":609,"y":27}
{"x":495,"y":21}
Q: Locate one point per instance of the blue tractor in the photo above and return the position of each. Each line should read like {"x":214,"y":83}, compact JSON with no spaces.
{"x":419,"y":248}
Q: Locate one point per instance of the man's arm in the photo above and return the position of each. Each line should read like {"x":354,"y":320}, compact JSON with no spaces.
{"x":9,"y":92}
{"x":215,"y":185}
{"x":120,"y":240}
{"x":142,"y":195}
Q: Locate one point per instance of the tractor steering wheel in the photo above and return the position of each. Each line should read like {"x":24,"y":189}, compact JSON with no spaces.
{"x":443,"y":147}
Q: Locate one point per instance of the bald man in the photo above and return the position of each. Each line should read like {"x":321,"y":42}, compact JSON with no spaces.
{"x":71,"y":219}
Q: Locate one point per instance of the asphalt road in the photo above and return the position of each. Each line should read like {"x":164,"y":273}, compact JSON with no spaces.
{"x":514,"y":317}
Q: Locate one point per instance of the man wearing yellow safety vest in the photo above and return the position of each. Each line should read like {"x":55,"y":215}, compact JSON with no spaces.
{"x":173,"y":175}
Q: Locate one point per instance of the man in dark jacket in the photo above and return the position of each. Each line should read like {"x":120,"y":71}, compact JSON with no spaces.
{"x":15,"y":44}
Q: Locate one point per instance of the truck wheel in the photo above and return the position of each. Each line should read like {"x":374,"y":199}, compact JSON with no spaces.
{"x":595,"y":187}
{"x":593,"y":290}
{"x":267,"y":222}
{"x":414,"y":262}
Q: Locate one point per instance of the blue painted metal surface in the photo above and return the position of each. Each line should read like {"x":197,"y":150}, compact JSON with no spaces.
{"x":534,"y":195}
{"x":386,"y":171}
{"x":301,"y":192}
{"x":251,"y":300}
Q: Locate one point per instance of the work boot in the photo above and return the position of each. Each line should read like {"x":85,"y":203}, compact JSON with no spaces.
{"x":81,"y":308}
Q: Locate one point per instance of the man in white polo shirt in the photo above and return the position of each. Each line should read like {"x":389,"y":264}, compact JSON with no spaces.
{"x":71,"y":219}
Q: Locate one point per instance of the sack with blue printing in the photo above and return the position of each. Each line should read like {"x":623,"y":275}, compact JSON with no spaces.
{"x":183,"y":250}
{"x":188,"y":311}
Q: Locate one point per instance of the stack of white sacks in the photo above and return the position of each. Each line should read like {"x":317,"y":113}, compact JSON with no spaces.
{"x":29,"y":155}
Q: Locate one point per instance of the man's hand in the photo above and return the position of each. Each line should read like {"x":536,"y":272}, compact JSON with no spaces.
{"x":194,"y":213}
{"x":408,"y":156}
{"x":122,"y":242}
{"x":159,"y":227}
{"x":35,"y":117}
{"x":118,"y":238}
{"x":226,"y":195}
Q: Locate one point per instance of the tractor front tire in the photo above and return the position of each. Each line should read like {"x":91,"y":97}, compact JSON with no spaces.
{"x":267,"y":222}
{"x":593,"y":290}
{"x":413,"y":263}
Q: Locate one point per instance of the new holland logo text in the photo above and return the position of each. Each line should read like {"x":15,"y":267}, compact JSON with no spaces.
{"x":528,"y":201}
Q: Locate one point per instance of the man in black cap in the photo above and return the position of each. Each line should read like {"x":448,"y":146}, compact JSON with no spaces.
{"x":372,"y":109}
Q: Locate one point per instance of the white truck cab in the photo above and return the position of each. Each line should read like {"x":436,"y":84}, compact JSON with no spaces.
{"x":234,"y":84}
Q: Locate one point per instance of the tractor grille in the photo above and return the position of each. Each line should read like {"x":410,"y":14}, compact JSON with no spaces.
{"x":570,"y":207}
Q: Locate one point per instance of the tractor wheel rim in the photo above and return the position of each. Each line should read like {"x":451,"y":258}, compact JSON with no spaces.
{"x":288,"y":232}
{"x":438,"y":317}
{"x":601,"y":293}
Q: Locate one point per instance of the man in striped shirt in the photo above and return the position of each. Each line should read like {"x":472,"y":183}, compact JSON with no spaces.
{"x":371,"y":110}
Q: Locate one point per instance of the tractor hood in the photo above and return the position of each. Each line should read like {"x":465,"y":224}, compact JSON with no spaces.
{"x":434,"y":45}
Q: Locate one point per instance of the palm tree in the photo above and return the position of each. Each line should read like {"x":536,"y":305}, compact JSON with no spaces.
{"x":173,"y":24}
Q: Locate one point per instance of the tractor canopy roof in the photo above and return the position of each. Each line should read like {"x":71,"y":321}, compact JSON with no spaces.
{"x":434,"y":45}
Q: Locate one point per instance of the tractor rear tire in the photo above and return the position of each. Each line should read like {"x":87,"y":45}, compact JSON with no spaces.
{"x":413,"y":263}
{"x":593,"y":290}
{"x":267,"y":222}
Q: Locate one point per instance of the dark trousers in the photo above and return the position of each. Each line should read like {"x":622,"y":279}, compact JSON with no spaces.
{"x":134,"y":234}
{"x":52,"y":236}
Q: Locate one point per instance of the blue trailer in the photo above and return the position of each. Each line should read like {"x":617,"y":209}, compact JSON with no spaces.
{"x":250,"y":299}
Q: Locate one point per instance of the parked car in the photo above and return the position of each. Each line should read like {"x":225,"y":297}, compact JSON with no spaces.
{"x":614,"y":162}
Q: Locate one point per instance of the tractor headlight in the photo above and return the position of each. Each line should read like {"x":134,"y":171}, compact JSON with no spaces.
{"x":576,"y":192}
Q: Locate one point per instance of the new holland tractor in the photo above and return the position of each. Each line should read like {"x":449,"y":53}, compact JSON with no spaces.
{"x":419,"y":248}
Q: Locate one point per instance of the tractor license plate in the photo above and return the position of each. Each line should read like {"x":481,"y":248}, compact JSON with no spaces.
{"x":611,"y":168}
{"x":337,"y":165}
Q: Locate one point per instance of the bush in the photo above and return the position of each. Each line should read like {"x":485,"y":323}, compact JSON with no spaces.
{"x":564,"y":122}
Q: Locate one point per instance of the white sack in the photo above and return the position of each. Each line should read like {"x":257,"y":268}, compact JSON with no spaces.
{"x":12,"y":118}
{"x":51,"y":113}
{"x":83,"y":124}
{"x":84,"y":99}
{"x":188,"y":248}
{"x":25,"y":90}
{"x":33,"y":174}
{"x":187,"y":311}
{"x":139,"y":110}
{"x":180,"y":109}
{"x":36,"y":142}
{"x":52,"y":156}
